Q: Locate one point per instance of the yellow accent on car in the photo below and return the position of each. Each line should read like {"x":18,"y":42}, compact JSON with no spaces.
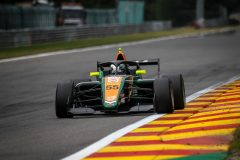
{"x":94,"y":74}
{"x":119,"y":49}
{"x":141,"y":71}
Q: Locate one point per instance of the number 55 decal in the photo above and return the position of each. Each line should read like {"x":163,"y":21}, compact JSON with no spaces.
{"x":110,"y":87}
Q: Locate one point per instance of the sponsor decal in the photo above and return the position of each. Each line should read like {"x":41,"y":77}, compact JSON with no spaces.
{"x":113,"y":79}
{"x":112,"y":86}
{"x":110,"y":98}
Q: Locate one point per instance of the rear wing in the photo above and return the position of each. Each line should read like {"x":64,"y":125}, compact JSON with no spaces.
{"x":149,"y":63}
{"x":138,"y":62}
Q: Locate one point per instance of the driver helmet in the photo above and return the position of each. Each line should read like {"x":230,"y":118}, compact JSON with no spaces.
{"x":113,"y":69}
{"x":121,"y":68}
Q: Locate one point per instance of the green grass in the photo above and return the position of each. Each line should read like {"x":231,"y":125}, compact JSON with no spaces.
{"x":57,"y":46}
{"x":234,"y":150}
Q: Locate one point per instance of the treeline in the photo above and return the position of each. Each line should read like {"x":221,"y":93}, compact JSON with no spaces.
{"x":85,"y":3}
{"x":232,"y":5}
{"x":157,"y":9}
{"x":182,"y":12}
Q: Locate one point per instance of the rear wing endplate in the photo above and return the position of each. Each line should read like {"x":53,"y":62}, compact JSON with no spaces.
{"x":149,"y":63}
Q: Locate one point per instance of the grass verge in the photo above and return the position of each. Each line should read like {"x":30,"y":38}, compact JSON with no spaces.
{"x":57,"y":46}
{"x":234,"y":150}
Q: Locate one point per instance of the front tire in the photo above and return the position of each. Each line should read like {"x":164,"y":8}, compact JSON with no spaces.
{"x":64,"y":100}
{"x":163,"y":101}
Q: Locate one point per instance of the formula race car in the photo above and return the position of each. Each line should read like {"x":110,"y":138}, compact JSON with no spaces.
{"x":119,"y":87}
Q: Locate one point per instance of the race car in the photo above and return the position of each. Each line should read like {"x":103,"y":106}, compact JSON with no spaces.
{"x":118,"y":87}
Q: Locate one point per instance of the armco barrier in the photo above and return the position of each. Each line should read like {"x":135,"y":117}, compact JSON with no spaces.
{"x":27,"y":37}
{"x":216,"y":22}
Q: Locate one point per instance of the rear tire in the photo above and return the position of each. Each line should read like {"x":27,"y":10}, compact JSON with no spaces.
{"x":163,"y":101}
{"x":64,"y":100}
{"x":178,"y":90}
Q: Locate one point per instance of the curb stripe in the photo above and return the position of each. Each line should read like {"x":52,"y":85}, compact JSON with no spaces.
{"x":226,"y":104}
{"x":220,"y":109}
{"x":206,"y":100}
{"x":154,"y":152}
{"x":163,"y":137}
{"x":195,"y":106}
{"x":172,"y":118}
{"x":232,"y":94}
{"x":208,"y":128}
{"x":228,"y":99}
{"x":212,"y":119}
{"x":228,"y":126}
{"x":162,"y":146}
{"x":205,"y":140}
{"x":213,"y":114}
{"x":186,"y":112}
{"x":157,"y":125}
{"x":194,"y":122}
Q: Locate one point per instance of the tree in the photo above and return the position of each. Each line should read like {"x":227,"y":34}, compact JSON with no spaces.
{"x":232,"y":5}
{"x":13,"y":1}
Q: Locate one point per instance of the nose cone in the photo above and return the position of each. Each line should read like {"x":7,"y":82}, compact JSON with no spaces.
{"x":112,"y":88}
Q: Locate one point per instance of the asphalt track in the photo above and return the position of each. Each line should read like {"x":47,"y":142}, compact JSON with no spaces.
{"x":28,"y":126}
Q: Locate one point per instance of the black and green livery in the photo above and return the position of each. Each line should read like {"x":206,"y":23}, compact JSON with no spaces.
{"x":165,"y":93}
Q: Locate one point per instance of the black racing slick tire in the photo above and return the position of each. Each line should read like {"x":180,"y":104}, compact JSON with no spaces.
{"x":64,"y":100}
{"x":163,"y":101}
{"x":178,"y":90}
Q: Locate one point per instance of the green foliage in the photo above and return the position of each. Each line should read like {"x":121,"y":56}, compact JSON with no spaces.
{"x":234,"y":150}
{"x":179,"y":11}
{"x":182,"y":12}
{"x":160,"y":9}
{"x":99,"y":3}
{"x":232,"y":5}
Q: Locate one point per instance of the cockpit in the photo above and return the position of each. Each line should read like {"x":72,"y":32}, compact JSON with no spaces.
{"x":118,"y":68}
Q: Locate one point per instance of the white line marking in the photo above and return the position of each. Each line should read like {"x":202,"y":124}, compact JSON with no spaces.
{"x":189,"y":35}
{"x":117,"y":134}
{"x":110,"y":138}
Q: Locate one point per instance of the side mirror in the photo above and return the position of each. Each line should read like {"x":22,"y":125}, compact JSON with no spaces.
{"x":141,"y":71}
{"x":94,"y":74}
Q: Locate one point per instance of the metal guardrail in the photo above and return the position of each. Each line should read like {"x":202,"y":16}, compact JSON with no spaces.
{"x":27,"y":37}
{"x":215,"y":22}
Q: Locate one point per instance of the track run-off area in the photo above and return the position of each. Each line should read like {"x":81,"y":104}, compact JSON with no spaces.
{"x":29,"y":128}
{"x":202,"y":131}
